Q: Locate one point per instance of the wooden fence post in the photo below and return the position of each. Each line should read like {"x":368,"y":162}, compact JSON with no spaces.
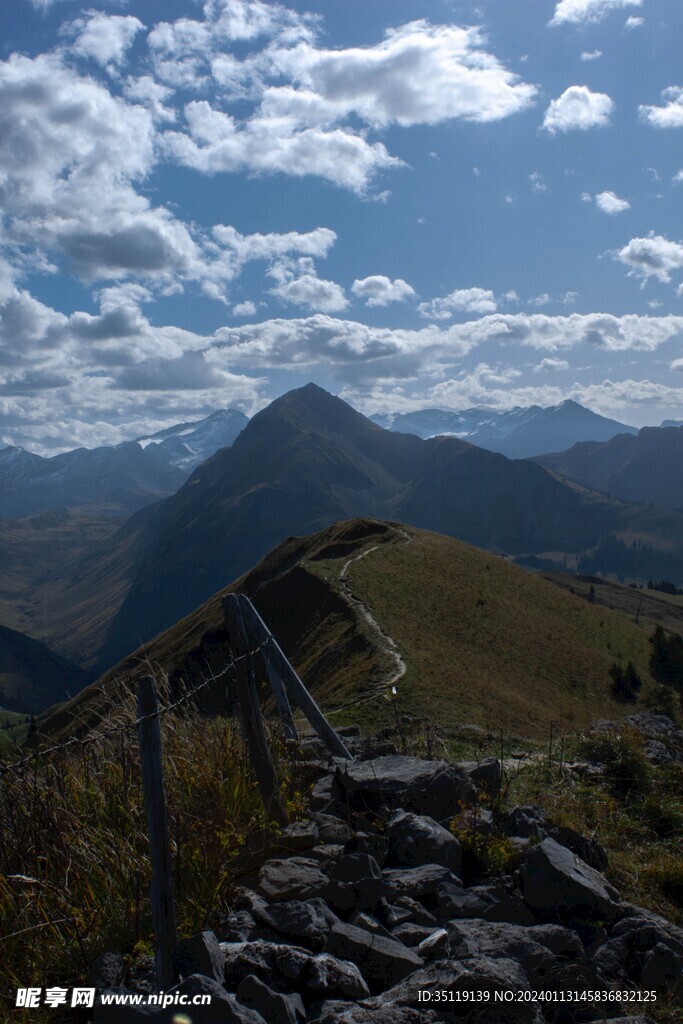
{"x":276,"y":684}
{"x":274,"y":655}
{"x":163,"y":910}
{"x":252,"y":719}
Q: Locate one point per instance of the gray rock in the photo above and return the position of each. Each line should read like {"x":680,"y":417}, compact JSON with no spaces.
{"x":415,"y":840}
{"x":487,"y":774}
{"x":308,"y":922}
{"x":555,"y":880}
{"x":201,"y":954}
{"x":611,"y":957}
{"x":316,"y":976}
{"x":657,"y":752}
{"x":384,"y":961}
{"x":370,"y":924}
{"x":426,"y":787}
{"x":498,"y":940}
{"x":331,"y":829}
{"x":411,"y":934}
{"x":477,"y":820}
{"x":662,"y":970}
{"x":234,"y":927}
{"x":274,"y":1007}
{"x":527,"y":821}
{"x":585,"y":847}
{"x":299,"y":836}
{"x":370,"y":1012}
{"x":291,"y":879}
{"x":435,"y":947}
{"x":356,"y":883}
{"x":563,"y":942}
{"x":418,"y":913}
{"x":326,"y":854}
{"x":123,"y":1014}
{"x":223,"y":1008}
{"x":324,"y":794}
{"x":106,"y":972}
{"x":377,"y":846}
{"x":425,"y":883}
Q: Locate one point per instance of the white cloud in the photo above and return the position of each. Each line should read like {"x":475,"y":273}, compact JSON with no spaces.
{"x":555,"y":365}
{"x":378,"y":290}
{"x":610,"y":203}
{"x":298,"y":283}
{"x":670,"y":115}
{"x":468,"y":300}
{"x":541,"y":300}
{"x":678,"y":178}
{"x":105,"y":38}
{"x":677,"y":365}
{"x":654,"y":256}
{"x":247,"y":308}
{"x":537,"y":182}
{"x":581,"y":11}
{"x":578,"y":108}
{"x":591,"y":55}
{"x":633,"y":22}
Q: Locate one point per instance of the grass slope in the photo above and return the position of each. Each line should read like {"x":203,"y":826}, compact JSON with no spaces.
{"x":483,"y":640}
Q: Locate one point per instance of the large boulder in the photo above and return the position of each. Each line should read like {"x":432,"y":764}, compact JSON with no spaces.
{"x":274,"y":1007}
{"x":201,"y":954}
{"x":384,"y":962}
{"x":486,"y":774}
{"x":291,"y":879}
{"x":334,"y":1012}
{"x":307,"y":922}
{"x":356,"y":883}
{"x":585,"y":847}
{"x":422,"y":883}
{"x":426,"y":787}
{"x":557,"y":882}
{"x":416,"y":839}
{"x":291,"y":968}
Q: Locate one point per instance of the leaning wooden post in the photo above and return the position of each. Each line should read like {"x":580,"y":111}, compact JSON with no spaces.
{"x":163,"y":910}
{"x":252,"y":719}
{"x":276,"y":684}
{"x":274,"y":655}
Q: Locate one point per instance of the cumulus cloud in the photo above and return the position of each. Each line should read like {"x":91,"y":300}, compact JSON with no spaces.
{"x":578,"y":108}
{"x":654,"y":256}
{"x":551,"y":364}
{"x":588,"y":55}
{"x":246,"y":308}
{"x":610,"y":203}
{"x":379,"y":290}
{"x":670,"y":114}
{"x":577,"y":12}
{"x":297,"y":283}
{"x":468,"y":300}
{"x":633,"y":22}
{"x":105,"y":38}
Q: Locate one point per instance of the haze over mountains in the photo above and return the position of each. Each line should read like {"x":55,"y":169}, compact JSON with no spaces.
{"x":307,"y":460}
{"x":518,"y":433}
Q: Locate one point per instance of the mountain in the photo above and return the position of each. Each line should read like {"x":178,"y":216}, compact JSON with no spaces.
{"x":645,"y":467}
{"x":518,"y":433}
{"x":187,"y":445}
{"x":32,"y":677}
{"x":121,"y":479}
{"x":482,"y":640}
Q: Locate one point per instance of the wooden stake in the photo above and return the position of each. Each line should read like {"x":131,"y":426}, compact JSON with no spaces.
{"x":250,"y":708}
{"x":276,"y":684}
{"x":163,"y":910}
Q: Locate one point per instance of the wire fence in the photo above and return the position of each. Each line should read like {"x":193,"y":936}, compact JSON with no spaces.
{"x":105,"y":733}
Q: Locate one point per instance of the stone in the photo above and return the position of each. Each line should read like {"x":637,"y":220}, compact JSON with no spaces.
{"x":331,"y":829}
{"x":223,"y":1008}
{"x":657,"y":752}
{"x":274,"y":1007}
{"x":280,"y":966}
{"x":106,"y":972}
{"x":426,"y":787}
{"x":384,"y":961}
{"x":298,"y":836}
{"x":234,"y":927}
{"x":424,"y":883}
{"x":415,"y":840}
{"x":527,"y":821}
{"x":356,"y":883}
{"x":381,"y":1013}
{"x":662,"y":970}
{"x":326,"y":854}
{"x":201,"y":954}
{"x":435,"y":947}
{"x":585,"y":847}
{"x":370,"y":924}
{"x":563,"y":942}
{"x":487,"y":775}
{"x":610,"y":959}
{"x":498,"y":940}
{"x":411,"y":934}
{"x":324,"y":794}
{"x":112,"y":1014}
{"x":293,"y":878}
{"x":417,"y":912}
{"x":491,"y":903}
{"x":377,"y":846}
{"x":308,"y":922}
{"x":554,"y":880}
{"x":477,"y":820}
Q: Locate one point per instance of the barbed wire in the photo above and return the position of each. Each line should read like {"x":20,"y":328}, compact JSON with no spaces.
{"x":165,"y":709}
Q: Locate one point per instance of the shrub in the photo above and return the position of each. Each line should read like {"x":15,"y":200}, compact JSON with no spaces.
{"x":627,"y":770}
{"x":625,"y":682}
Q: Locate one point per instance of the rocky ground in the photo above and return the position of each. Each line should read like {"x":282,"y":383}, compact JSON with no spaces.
{"x":367,"y":915}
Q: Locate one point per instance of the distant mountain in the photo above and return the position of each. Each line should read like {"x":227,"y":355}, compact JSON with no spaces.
{"x":187,"y":445}
{"x":32,"y":677}
{"x":518,"y":433}
{"x":123,"y":478}
{"x":305,"y":461}
{"x":671,"y":423}
{"x":647,"y":467}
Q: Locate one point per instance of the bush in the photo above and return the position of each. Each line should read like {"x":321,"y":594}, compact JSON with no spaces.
{"x":627,"y":770}
{"x":625,"y":682}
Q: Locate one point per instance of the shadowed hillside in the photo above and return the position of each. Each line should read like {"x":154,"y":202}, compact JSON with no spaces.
{"x":32,"y":677}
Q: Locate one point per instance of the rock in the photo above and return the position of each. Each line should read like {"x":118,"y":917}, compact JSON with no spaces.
{"x":331,"y":829}
{"x":129,"y":1015}
{"x":377,"y":846}
{"x":527,"y":821}
{"x":316,"y":976}
{"x":370,"y":924}
{"x":468,"y":731}
{"x":435,"y":947}
{"x":352,"y":1013}
{"x":223,"y":1008}
{"x":477,"y":820}
{"x":498,"y":940}
{"x":610,"y":959}
{"x":106,"y":972}
{"x":201,"y":954}
{"x":425,"y":883}
{"x":587,"y":848}
{"x":234,"y":927}
{"x":324,"y":794}
{"x":300,"y":835}
{"x":563,"y":942}
{"x":662,"y":970}
{"x":293,"y":878}
{"x":416,"y":840}
{"x":308,"y":922}
{"x":327,"y":854}
{"x":426,"y":787}
{"x":487,"y":775}
{"x":384,"y":961}
{"x":645,"y":929}
{"x":274,"y":1007}
{"x":554,"y":880}
{"x":411,"y":934}
{"x":657,"y":753}
{"x":356,"y":883}
{"x":416,"y":911}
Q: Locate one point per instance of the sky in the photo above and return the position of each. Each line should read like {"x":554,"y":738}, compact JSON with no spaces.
{"x":413,"y":204}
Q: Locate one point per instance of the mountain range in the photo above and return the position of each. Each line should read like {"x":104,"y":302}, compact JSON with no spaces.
{"x":305,"y":461}
{"x":119,"y":479}
{"x":33,"y":677}
{"x":518,"y":433}
{"x":645,"y":467}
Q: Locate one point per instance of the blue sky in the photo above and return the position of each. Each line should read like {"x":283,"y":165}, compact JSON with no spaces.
{"x":413,"y":204}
